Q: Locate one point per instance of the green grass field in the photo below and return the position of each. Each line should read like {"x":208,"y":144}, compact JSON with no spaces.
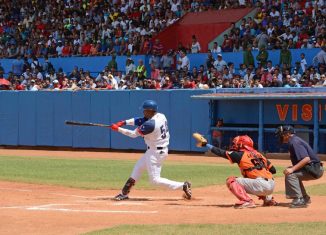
{"x":111,"y":174}
{"x":318,"y":228}
{"x":104,"y":174}
{"x":319,"y":189}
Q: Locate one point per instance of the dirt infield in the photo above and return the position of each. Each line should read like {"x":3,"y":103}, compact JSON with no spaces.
{"x":43,"y":209}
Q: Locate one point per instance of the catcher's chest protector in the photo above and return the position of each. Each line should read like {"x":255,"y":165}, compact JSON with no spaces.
{"x":252,"y":166}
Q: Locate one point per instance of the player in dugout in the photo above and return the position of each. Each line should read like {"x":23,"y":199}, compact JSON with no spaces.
{"x":257,"y":171}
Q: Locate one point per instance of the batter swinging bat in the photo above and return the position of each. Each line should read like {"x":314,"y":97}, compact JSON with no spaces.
{"x":76,"y":123}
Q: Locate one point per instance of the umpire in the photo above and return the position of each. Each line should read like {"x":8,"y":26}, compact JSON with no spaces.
{"x":306,"y":166}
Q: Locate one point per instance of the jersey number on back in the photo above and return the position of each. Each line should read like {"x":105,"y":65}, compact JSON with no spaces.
{"x":164,"y":130}
{"x":258,"y":163}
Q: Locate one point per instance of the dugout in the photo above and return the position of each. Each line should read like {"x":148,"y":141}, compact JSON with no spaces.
{"x":257,"y":112}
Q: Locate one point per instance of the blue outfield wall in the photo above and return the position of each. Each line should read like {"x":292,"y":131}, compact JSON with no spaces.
{"x":37,"y":118}
{"x":97,"y":63}
{"x":94,"y":64}
{"x":237,"y":57}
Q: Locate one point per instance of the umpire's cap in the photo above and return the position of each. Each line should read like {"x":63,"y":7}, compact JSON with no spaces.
{"x":281,"y":130}
{"x":150,"y":105}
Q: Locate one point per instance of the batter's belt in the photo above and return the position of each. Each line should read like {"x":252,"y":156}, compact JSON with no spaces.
{"x":158,"y":148}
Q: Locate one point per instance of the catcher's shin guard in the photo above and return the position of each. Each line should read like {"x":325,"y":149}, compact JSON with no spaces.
{"x":128,"y":185}
{"x":237,"y":189}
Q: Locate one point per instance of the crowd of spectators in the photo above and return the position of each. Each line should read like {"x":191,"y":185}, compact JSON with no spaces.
{"x":214,"y":73}
{"x":98,"y":27}
{"x":299,"y":24}
{"x":89,"y":28}
{"x":33,"y":29}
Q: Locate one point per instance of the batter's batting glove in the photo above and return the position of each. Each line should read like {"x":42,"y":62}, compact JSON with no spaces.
{"x":201,"y":141}
{"x":114,"y":127}
{"x":121,"y":123}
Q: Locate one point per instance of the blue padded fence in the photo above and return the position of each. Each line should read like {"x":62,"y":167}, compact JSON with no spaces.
{"x":37,"y":118}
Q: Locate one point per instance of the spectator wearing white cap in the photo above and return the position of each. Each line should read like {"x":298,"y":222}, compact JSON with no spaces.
{"x":219,"y":63}
{"x":59,"y":48}
{"x":56,"y":85}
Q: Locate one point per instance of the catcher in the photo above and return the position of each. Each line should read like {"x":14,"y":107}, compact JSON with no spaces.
{"x":256,"y":170}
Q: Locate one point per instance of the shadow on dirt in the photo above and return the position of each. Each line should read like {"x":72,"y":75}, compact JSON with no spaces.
{"x":141,"y":199}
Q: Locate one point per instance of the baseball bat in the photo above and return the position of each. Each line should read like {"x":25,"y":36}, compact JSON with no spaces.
{"x":77,"y":123}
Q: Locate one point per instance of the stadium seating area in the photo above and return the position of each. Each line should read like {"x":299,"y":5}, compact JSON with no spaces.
{"x":33,"y":29}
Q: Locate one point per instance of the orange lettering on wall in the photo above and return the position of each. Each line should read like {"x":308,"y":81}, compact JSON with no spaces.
{"x":294,"y":112}
{"x":306,"y":114}
{"x":282,"y":111}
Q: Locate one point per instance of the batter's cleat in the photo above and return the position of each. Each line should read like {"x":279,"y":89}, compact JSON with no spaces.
{"x":250,"y":204}
{"x":187,"y":190}
{"x":120,"y":197}
{"x":307,"y":199}
{"x":298,"y":203}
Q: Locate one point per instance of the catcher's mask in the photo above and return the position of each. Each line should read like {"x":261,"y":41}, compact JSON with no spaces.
{"x":281,"y":131}
{"x":242,"y":143}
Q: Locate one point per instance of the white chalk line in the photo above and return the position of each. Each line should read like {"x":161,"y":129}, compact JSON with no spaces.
{"x":128,"y":204}
{"x":112,"y":196}
{"x":93,"y":211}
{"x":49,"y":207}
{"x":94,"y":197}
{"x":15,"y":189}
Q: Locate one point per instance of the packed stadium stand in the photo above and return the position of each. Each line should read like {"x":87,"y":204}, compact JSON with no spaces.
{"x":35,"y":33}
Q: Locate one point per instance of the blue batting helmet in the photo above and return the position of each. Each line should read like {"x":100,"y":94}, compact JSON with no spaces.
{"x":150,"y":104}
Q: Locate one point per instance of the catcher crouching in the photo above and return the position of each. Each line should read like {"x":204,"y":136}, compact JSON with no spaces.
{"x":257,"y":171}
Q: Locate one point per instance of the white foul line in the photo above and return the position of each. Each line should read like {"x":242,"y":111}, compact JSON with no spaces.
{"x":47,"y":207}
{"x":127,"y":203}
{"x":92,"y":211}
{"x":15,"y":189}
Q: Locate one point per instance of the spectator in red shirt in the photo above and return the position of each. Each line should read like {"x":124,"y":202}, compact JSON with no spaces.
{"x":166,"y":83}
{"x":86,"y":48}
{"x":267,"y":76}
{"x":227,"y":45}
{"x":155,"y":73}
{"x":188,"y":84}
{"x":157,"y":51}
{"x":67,"y":49}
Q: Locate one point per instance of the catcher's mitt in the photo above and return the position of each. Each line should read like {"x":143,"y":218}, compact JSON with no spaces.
{"x":201,"y":141}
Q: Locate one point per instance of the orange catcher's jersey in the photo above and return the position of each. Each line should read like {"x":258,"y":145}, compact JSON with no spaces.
{"x":253,"y":165}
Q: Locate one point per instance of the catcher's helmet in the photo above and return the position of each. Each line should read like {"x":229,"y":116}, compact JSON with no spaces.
{"x":242,"y":142}
{"x":150,"y":105}
{"x":281,"y":130}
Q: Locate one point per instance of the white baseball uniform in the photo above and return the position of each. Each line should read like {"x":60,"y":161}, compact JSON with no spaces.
{"x":156,"y":135}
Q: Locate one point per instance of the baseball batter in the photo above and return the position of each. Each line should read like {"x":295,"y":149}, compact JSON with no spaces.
{"x":153,"y":127}
{"x":256,"y":170}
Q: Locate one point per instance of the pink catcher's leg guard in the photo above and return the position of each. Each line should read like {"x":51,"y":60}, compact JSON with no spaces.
{"x":237,"y":190}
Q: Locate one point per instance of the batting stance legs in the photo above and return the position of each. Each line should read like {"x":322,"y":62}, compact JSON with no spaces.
{"x":151,"y":161}
{"x":153,"y":127}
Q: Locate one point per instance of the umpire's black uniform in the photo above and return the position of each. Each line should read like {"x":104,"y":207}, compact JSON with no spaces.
{"x":299,"y":149}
